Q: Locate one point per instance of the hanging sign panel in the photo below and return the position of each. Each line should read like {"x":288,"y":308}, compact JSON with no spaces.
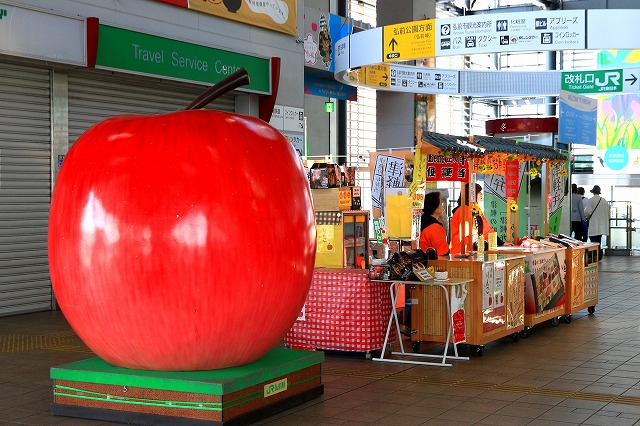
{"x":542,"y":30}
{"x":577,"y":119}
{"x":412,"y":79}
{"x":508,"y":32}
{"x":410,"y":40}
{"x":447,"y":168}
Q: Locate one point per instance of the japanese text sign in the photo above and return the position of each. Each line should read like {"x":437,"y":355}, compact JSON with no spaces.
{"x":512,"y":168}
{"x":445,"y":168}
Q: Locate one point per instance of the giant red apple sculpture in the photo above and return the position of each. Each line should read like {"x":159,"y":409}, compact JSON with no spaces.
{"x":182,"y":241}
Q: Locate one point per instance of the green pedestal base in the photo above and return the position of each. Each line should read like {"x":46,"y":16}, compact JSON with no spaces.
{"x":94,"y":389}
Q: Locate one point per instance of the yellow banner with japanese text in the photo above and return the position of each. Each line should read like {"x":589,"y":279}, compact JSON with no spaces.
{"x":277,"y":15}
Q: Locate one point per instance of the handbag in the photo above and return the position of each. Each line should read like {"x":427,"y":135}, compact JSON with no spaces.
{"x":594,"y":210}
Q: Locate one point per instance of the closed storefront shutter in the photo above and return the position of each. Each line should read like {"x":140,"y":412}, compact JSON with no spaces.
{"x":25,"y":189}
{"x":95,"y":95}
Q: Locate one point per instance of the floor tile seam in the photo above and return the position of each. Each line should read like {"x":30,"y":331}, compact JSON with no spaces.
{"x":524,"y":390}
{"x":17,"y":343}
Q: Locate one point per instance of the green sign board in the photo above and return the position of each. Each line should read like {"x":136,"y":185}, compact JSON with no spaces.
{"x":148,"y":54}
{"x":377,"y":229}
{"x":329,"y":107}
{"x":600,"y":81}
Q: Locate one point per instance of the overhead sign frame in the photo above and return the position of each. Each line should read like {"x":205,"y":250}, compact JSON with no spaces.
{"x":355,"y":54}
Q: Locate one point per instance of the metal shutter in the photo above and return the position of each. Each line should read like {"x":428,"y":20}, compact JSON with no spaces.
{"x":95,"y":95}
{"x":25,"y":189}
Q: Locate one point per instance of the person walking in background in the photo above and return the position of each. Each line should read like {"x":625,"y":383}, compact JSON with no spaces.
{"x":585,"y":200}
{"x":597,"y":213}
{"x":578,"y":221}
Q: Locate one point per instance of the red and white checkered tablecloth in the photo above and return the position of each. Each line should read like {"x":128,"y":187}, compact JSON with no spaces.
{"x":344,"y":311}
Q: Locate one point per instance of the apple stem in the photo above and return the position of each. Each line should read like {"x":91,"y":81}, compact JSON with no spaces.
{"x":235,"y":80}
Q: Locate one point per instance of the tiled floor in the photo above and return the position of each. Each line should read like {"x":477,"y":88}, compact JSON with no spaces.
{"x":586,"y":372}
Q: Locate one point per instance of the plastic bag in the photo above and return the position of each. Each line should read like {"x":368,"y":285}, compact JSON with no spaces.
{"x":458,"y":295}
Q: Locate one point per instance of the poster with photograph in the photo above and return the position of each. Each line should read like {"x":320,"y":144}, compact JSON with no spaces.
{"x":493,"y":306}
{"x":544,"y":281}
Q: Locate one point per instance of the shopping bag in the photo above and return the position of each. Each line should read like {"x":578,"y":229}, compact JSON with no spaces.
{"x":458,"y":295}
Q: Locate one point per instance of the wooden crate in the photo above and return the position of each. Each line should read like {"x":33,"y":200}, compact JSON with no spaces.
{"x":331,"y":199}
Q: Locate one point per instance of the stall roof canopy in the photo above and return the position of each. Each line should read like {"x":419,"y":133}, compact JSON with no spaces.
{"x":512,"y":146}
{"x":452,"y":144}
{"x":479,"y":145}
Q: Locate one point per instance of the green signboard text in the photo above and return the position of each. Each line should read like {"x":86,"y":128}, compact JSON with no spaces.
{"x":601,"y":81}
{"x":148,"y":54}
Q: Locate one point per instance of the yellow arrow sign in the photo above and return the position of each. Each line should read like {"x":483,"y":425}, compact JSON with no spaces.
{"x":378,"y":75}
{"x":410,"y":40}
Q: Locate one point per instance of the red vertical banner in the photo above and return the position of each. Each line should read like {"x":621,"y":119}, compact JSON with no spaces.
{"x":511,"y":175}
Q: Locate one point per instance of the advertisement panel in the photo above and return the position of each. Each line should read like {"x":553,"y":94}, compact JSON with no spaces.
{"x":277,"y":15}
{"x":508,"y":32}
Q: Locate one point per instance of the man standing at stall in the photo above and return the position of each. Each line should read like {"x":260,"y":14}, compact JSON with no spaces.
{"x":597,"y":213}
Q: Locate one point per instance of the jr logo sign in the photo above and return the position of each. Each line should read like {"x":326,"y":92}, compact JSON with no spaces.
{"x":601,"y":81}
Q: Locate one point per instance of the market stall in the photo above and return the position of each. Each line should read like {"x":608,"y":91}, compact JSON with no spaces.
{"x":344,"y":310}
{"x":494,"y":305}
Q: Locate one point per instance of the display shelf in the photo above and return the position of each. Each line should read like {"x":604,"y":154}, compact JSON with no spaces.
{"x":342,"y":239}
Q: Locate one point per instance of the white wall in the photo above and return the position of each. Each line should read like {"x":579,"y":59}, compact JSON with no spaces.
{"x":178,"y":23}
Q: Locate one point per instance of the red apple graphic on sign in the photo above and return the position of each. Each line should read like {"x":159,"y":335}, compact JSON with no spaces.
{"x":182,"y":241}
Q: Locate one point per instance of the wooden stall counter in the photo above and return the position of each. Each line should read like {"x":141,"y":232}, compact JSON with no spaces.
{"x":494,"y":305}
{"x":545,"y":283}
{"x":582,"y":279}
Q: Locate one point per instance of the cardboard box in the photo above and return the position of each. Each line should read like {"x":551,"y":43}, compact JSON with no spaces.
{"x":331,"y":199}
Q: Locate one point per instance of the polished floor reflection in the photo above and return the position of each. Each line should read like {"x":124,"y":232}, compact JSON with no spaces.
{"x":585,"y":372}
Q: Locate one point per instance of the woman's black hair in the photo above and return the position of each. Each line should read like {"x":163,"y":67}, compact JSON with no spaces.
{"x":466,"y":193}
{"x":431,"y":202}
